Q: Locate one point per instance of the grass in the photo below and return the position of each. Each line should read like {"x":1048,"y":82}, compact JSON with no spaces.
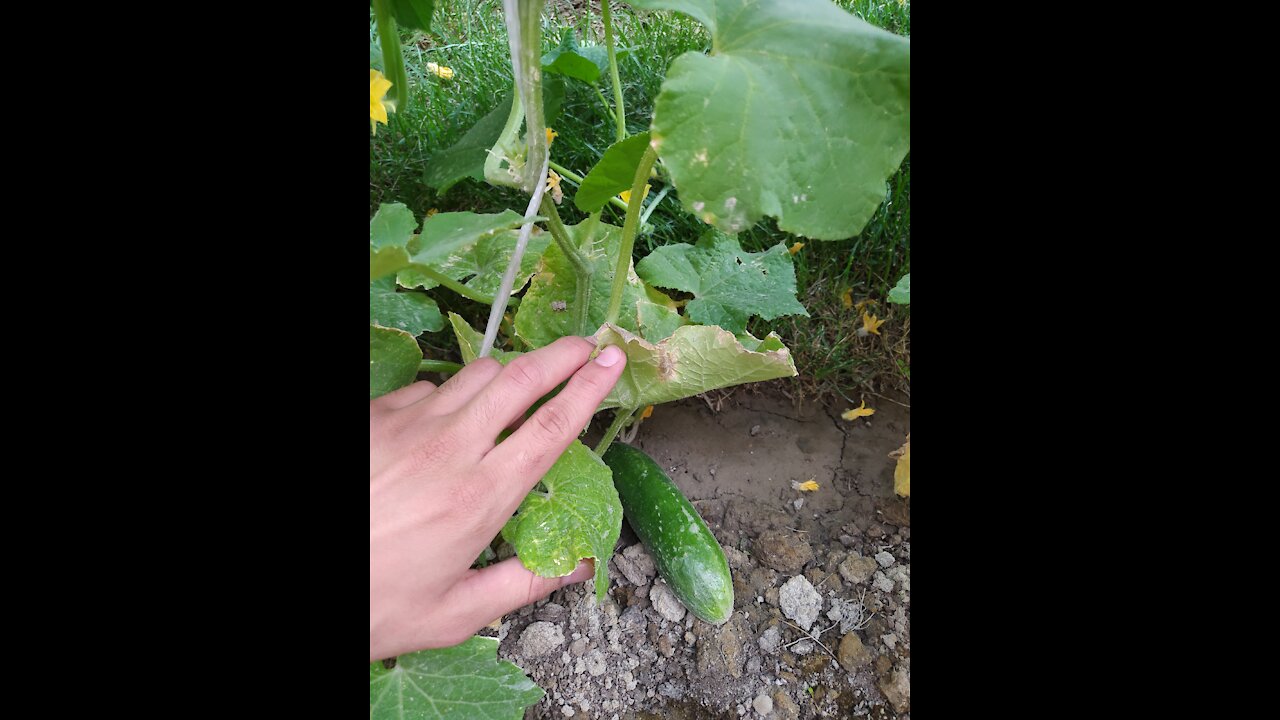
{"x":469,"y":36}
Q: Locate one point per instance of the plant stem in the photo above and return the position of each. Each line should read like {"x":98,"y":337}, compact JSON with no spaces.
{"x":629,"y":233}
{"x":582,"y":267}
{"x":392,"y":56}
{"x":619,"y":111}
{"x":607,"y":110}
{"x":620,"y":418}
{"x":653,"y":205}
{"x":439,"y":366}
{"x":458,"y":287}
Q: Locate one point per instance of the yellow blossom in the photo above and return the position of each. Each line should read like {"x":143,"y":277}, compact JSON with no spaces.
{"x":806,"y":486}
{"x":862,"y":304}
{"x":846,"y":298}
{"x":553,"y":184}
{"x":440,"y":71}
{"x":432,"y":211}
{"x":551,"y":136}
{"x":625,"y":195}
{"x":871,"y":324}
{"x":648,"y":410}
{"x":378,"y":87}
{"x":861,"y":411}
{"x":796,"y":248}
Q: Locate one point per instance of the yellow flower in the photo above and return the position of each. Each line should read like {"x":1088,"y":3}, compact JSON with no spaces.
{"x":796,"y":248}
{"x":861,"y":411}
{"x":846,"y":298}
{"x":551,"y":136}
{"x":553,"y":184}
{"x":378,"y":87}
{"x":625,"y":195}
{"x":440,"y":71}
{"x":432,"y":211}
{"x":862,"y":304}
{"x":647,"y":412}
{"x":871,"y":324}
{"x":806,"y":486}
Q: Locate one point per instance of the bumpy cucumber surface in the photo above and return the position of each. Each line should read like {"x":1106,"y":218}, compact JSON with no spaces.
{"x":684,"y":550}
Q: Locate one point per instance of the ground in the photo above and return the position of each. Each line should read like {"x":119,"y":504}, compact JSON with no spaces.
{"x":640,"y":656}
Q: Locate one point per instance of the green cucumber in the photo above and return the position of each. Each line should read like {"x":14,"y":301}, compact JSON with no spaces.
{"x":686,"y":553}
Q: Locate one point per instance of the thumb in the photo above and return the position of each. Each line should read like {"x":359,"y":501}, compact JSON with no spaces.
{"x":492,"y":592}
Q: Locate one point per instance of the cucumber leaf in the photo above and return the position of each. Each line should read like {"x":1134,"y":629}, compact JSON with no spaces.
{"x":481,"y":266}
{"x":695,"y":359}
{"x":644,"y":310}
{"x":453,"y":234}
{"x":412,"y":312}
{"x":394,"y":357}
{"x":613,"y":174}
{"x":414,"y":14}
{"x":390,"y":230}
{"x":579,"y":516}
{"x":469,"y":342}
{"x":464,"y":681}
{"x":901,"y":293}
{"x":800,"y":112}
{"x":729,"y":284}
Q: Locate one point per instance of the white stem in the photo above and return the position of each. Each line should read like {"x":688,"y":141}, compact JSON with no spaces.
{"x":509,"y":278}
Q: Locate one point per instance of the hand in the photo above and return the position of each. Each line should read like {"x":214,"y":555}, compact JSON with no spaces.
{"x":440,"y":489}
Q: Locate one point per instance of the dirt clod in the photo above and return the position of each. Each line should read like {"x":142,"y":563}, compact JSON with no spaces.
{"x":784,"y":552}
{"x":800,"y":602}
{"x":853,"y":654}
{"x":856,"y":569}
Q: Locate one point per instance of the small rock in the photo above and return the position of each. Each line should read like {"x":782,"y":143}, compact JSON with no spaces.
{"x":763,"y":703}
{"x":738,"y":560}
{"x":798,"y":503}
{"x":769,"y":640}
{"x":753,"y":665}
{"x":875,"y":531}
{"x":539,"y":639}
{"x":596,"y":664}
{"x":852,"y":653}
{"x":568,"y":711}
{"x":856,"y":569}
{"x":771,"y":596}
{"x":884,"y":558}
{"x":889,"y":640}
{"x":848,"y":540}
{"x":800,"y":601}
{"x":882,"y":583}
{"x":784,"y":707}
{"x":897,"y":690}
{"x":882,"y":665}
{"x":565,"y":657}
{"x":636,"y":564}
{"x":577,"y":647}
{"x":666,"y":603}
{"x":783,"y":551}
{"x":689,"y":638}
{"x":804,"y":647}
{"x":551,"y":612}
{"x":755,"y":430}
{"x":580,"y":667}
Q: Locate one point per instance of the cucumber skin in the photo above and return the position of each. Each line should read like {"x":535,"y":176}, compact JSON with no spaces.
{"x":686,"y":553}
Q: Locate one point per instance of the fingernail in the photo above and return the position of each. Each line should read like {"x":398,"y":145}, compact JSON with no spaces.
{"x":609,"y":356}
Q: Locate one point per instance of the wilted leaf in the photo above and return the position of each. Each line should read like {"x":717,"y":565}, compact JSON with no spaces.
{"x":795,"y":248}
{"x":801,"y":111}
{"x":902,"y":472}
{"x":730,"y":285}
{"x":579,"y":516}
{"x":464,"y":681}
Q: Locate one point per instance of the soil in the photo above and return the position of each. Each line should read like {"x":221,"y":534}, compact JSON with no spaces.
{"x":850,"y":540}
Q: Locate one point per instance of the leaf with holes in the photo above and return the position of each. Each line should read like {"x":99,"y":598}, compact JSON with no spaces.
{"x":394,"y":357}
{"x":574,"y":513}
{"x":614,"y":173}
{"x":730,"y":284}
{"x":481,"y":266}
{"x":695,"y":359}
{"x":463,"y":681}
{"x":548,"y":308}
{"x":412,"y":312}
{"x":800,"y":112}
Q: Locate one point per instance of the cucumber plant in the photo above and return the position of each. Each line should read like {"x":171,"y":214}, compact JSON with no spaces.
{"x":799,"y":112}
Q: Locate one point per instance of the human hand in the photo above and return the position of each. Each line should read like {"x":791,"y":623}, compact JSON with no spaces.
{"x":440,"y":489}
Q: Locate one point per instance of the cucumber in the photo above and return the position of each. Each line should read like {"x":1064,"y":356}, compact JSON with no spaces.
{"x":686,"y":553}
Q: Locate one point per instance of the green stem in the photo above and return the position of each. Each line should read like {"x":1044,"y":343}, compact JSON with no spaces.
{"x":620,"y":418}
{"x":581,"y":267}
{"x":458,"y":287}
{"x":607,"y":110}
{"x":629,"y":233}
{"x":392,"y":56}
{"x":439,"y":366}
{"x":619,"y":111}
{"x":576,"y":179}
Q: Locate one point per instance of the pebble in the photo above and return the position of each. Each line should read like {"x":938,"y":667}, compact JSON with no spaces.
{"x":884,"y":558}
{"x":848,"y":540}
{"x":800,"y":601}
{"x":665,"y":602}
{"x":755,"y":430}
{"x":539,"y":639}
{"x":889,"y":640}
{"x":852,"y":653}
{"x":856,"y":569}
{"x":689,"y":638}
{"x":763,"y":704}
{"x":897,"y":690}
{"x":568,"y":711}
{"x":783,"y":551}
{"x":769,"y":640}
{"x":882,"y":583}
{"x":798,"y":503}
{"x":804,"y":647}
{"x":636,"y":564}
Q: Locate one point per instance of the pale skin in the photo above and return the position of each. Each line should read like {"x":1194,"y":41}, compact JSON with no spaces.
{"x":441,"y":487}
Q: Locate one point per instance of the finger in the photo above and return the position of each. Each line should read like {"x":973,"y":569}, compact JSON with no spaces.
{"x":406,"y":395}
{"x":526,"y":456}
{"x":460,"y":389}
{"x":487,"y":594}
{"x":522,"y":382}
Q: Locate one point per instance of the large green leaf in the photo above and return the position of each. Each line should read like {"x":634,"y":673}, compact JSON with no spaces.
{"x":394,"y":357}
{"x":464,"y":681}
{"x":644,"y":310}
{"x":390,"y":230}
{"x":729,"y":284}
{"x":581,"y":63}
{"x":695,"y":359}
{"x":800,"y":112}
{"x":577,"y":516}
{"x":481,"y":266}
{"x":465,"y":159}
{"x":412,"y":312}
{"x":413,"y":13}
{"x":469,"y":342}
{"x":901,"y":293}
{"x":454,"y":234}
{"x":614,"y":173}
